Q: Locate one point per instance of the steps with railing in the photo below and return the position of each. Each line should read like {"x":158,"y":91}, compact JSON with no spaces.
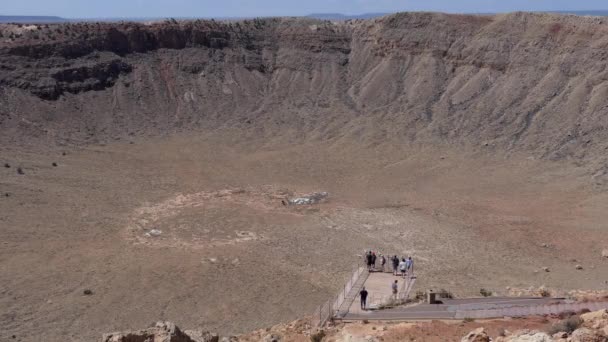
{"x":341,"y":302}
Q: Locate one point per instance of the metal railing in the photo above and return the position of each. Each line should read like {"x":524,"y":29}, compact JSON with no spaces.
{"x":376,"y":301}
{"x":334,"y":304}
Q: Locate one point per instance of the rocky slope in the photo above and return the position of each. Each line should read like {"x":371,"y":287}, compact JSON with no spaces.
{"x":586,"y":327}
{"x":515,"y":82}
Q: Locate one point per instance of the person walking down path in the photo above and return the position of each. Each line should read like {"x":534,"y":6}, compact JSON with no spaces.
{"x":395,"y":288}
{"x":395,"y":265}
{"x":363,"y":295}
{"x":403,"y":267}
{"x":368,"y":260}
{"x":409,"y":263}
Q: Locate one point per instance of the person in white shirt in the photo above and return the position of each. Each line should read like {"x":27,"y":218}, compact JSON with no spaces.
{"x":403,"y":267}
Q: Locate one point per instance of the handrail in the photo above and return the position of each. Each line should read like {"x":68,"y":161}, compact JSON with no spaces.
{"x":331,"y":306}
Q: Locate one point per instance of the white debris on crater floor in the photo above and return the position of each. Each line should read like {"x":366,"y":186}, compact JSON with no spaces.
{"x":309,"y":199}
{"x":153,"y":233}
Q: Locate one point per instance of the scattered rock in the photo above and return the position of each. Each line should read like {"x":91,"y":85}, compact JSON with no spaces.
{"x":546,"y":269}
{"x":20,"y":171}
{"x":587,"y":335}
{"x":87,"y":292}
{"x":579,"y":267}
{"x":7,"y":165}
{"x":64,"y":154}
{"x":477,"y":335}
{"x":54,"y":164}
{"x":213,"y":260}
{"x":7,"y":195}
{"x":161,"y":332}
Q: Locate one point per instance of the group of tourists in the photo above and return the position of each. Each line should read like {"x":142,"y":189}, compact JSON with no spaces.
{"x":400,"y":266}
{"x":376,"y":262}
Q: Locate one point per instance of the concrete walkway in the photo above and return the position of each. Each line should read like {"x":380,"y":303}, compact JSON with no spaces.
{"x":378,"y":285}
{"x":478,"y":308}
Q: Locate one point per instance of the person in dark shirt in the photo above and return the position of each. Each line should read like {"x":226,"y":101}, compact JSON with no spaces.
{"x":363,"y":295}
{"x":373,"y":260}
{"x":395,"y":265}
{"x":368,"y":259}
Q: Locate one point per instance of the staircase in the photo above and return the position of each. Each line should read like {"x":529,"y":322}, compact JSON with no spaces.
{"x":351,"y":295}
{"x":406,"y":288}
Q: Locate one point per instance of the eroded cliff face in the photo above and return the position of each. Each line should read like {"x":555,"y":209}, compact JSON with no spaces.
{"x":516,"y":82}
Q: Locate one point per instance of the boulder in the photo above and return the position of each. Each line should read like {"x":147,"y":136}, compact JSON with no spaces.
{"x":477,"y":335}
{"x":272,"y":338}
{"x":230,"y":339}
{"x":202,"y":336}
{"x":587,"y":335}
{"x":160,"y":332}
{"x":591,"y":317}
{"x":562,"y":334}
{"x":529,"y":336}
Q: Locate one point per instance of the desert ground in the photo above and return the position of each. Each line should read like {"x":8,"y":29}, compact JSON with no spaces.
{"x":145,"y":164}
{"x":232,"y":258}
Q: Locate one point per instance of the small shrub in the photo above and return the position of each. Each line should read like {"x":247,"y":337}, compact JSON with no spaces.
{"x":566,"y":314}
{"x":87,"y":292}
{"x":485,"y":293}
{"x":420,"y":295}
{"x":55,"y":164}
{"x":365,"y":321}
{"x":584,"y":311}
{"x":545,"y":293}
{"x":468,"y":320}
{"x":567,"y":325}
{"x":20,"y":171}
{"x":7,"y":165}
{"x":318,"y":336}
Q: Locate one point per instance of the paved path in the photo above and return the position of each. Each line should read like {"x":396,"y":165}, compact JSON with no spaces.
{"x":378,"y":285}
{"x":478,"y":308}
